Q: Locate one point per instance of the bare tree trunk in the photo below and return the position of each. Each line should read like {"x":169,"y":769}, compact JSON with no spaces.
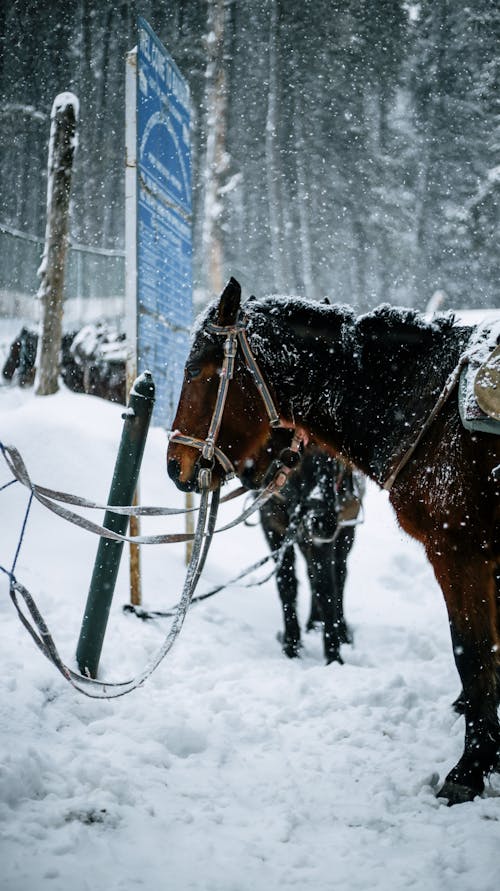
{"x":62,"y":146}
{"x":304,"y":204}
{"x":216,"y":158}
{"x":273,"y":171}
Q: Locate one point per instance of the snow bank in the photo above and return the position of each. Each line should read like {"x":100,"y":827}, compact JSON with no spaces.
{"x":232,"y":769}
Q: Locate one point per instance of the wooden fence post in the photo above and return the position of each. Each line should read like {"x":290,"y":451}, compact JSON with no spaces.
{"x":62,"y":145}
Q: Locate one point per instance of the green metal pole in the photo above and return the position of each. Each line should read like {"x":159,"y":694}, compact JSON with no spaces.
{"x":107,"y":562}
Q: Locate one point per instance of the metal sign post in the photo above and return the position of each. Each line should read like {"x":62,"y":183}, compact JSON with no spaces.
{"x":158,"y":212}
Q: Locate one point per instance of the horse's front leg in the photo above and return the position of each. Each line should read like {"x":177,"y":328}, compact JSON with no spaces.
{"x":469,"y":588}
{"x":320,"y":559}
{"x":342,"y":547}
{"x":286,"y":581}
{"x":274,"y":524}
{"x":337,"y":559}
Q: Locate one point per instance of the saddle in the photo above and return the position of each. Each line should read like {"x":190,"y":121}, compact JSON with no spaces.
{"x":487,"y":386}
{"x":479,"y":388}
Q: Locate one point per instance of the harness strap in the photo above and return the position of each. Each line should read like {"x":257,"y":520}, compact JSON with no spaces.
{"x":235,"y":334}
{"x":36,"y":625}
{"x":227,"y":371}
{"x":239,"y":330}
{"x":446,"y":392}
{"x":260,"y":383}
{"x":200,"y":444}
{"x":49,"y":500}
{"x":17,"y":466}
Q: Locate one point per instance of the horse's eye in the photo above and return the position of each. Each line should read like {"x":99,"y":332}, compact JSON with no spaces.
{"x":192,"y":371}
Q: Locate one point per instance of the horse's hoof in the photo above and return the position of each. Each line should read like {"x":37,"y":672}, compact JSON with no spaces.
{"x":456,"y":793}
{"x":345,"y":635}
{"x":314,"y":625}
{"x":290,"y":648}
{"x":292,"y":652}
{"x":334,"y":657}
{"x":459,"y":705}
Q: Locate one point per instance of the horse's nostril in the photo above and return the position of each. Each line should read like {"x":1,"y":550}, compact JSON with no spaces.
{"x":174,"y":469}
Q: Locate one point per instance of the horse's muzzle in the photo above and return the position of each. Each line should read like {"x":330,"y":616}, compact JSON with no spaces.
{"x":174,"y":471}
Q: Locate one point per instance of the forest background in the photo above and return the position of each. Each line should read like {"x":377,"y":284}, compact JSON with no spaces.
{"x":349,"y":149}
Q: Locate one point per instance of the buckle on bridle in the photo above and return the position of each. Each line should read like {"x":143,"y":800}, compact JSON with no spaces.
{"x":208,"y":451}
{"x":205,"y":477}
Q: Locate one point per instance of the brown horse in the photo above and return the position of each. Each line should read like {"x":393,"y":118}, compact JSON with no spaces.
{"x":379,"y":391}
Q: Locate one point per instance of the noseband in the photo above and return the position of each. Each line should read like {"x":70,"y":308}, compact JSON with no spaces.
{"x":235,"y":336}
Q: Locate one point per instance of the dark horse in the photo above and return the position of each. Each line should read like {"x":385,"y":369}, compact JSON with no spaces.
{"x":21,"y":358}
{"x":21,"y":361}
{"x":380,"y":392}
{"x":316,"y":510}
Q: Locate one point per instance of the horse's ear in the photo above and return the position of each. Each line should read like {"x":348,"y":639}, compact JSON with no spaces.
{"x":229,"y":303}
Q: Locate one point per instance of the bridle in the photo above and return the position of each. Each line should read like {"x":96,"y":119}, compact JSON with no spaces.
{"x":236,"y":336}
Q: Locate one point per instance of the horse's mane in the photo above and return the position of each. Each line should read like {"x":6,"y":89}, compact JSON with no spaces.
{"x":306,"y":313}
{"x":300,"y":310}
{"x":403,"y":324}
{"x":393,"y":322}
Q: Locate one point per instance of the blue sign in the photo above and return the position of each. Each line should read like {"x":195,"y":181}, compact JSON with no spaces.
{"x":164,"y":243}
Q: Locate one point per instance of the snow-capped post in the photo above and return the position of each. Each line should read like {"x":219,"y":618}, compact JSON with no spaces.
{"x":62,"y":146}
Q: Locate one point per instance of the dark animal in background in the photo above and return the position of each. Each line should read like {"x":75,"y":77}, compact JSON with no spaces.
{"x":101,"y":354}
{"x":320,"y":496}
{"x":93,"y":361}
{"x":380,"y":391}
{"x":20,"y":363}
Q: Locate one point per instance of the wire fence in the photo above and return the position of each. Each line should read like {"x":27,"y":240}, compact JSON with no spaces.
{"x":94,"y":281}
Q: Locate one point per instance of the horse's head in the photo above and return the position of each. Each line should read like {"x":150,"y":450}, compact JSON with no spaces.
{"x":221,"y":420}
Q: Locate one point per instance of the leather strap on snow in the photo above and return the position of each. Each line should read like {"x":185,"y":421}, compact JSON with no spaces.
{"x":95,"y":689}
{"x":34,"y":621}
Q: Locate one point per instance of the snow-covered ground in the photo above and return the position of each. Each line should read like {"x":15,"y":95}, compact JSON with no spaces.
{"x":232,"y":769}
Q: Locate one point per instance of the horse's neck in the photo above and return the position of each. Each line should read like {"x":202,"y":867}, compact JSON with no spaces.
{"x":331,"y":402}
{"x":313,"y":387}
{"x":366,"y":403}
